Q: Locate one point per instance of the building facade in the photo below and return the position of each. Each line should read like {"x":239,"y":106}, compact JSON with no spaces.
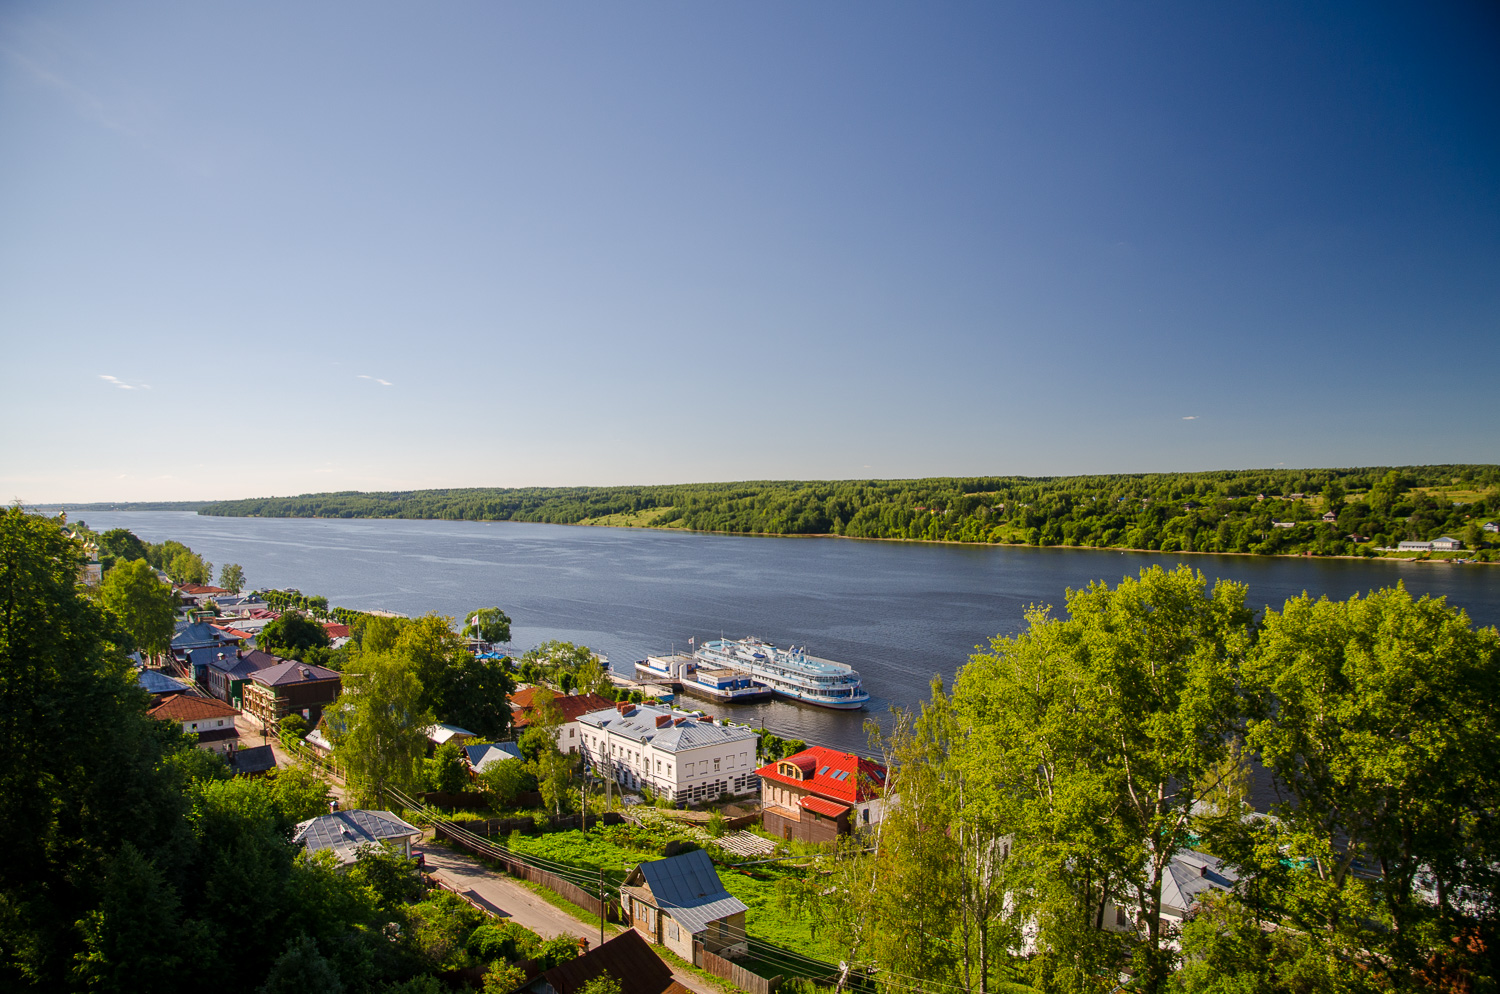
{"x":291,"y":688}
{"x":209,"y":721}
{"x":675,"y":754}
{"x":818,"y":794}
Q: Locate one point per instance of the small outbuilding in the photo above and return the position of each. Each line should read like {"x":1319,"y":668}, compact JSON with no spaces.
{"x":680,"y":902}
{"x":482,"y":757}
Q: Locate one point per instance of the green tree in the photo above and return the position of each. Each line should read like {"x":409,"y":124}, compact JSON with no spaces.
{"x":506,"y":780}
{"x":302,"y":968}
{"x":503,"y":978}
{"x":1384,"y":728}
{"x":189,"y":567}
{"x":232,"y":578}
{"x":81,"y":766}
{"x":445,"y":770}
{"x":475,"y":694}
{"x":290,"y":730}
{"x":1112,"y":724}
{"x":491,"y":624}
{"x":602,"y":984}
{"x":120,"y":545}
{"x":144,"y":606}
{"x":292,"y":635}
{"x":380,"y":732}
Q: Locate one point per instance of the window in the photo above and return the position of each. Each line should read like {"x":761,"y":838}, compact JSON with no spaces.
{"x":716,"y":766}
{"x":1120,"y":919}
{"x":864,"y":815}
{"x":572,"y":732}
{"x":220,"y":723}
{"x":671,"y":928}
{"x":669,"y":769}
{"x":723,"y":929}
{"x":742,"y":759}
{"x":823,"y":772}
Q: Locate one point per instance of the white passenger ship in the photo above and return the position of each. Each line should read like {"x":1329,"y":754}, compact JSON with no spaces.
{"x":788,"y":672}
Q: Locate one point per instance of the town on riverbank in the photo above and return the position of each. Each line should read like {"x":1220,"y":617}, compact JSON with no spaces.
{"x":482,"y":818}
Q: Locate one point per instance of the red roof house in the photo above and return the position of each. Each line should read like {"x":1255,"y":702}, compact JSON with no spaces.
{"x":818,"y":794}
{"x":209,"y":718}
{"x":571,"y":706}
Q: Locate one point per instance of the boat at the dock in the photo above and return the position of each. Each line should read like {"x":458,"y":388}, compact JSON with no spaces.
{"x":788,"y":673}
{"x":687,"y":673}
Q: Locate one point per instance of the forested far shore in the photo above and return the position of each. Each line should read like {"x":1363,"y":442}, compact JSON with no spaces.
{"x":1358,"y":511}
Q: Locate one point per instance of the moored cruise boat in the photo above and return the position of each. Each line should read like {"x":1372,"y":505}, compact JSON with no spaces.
{"x":788,"y":672}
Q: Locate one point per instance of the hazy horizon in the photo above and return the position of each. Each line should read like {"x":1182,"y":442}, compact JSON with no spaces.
{"x":373,"y":247}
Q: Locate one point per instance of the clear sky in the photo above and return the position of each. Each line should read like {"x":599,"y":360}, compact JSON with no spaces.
{"x":270,"y":248}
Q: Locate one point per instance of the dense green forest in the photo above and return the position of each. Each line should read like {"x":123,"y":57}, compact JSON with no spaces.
{"x":1267,"y":512}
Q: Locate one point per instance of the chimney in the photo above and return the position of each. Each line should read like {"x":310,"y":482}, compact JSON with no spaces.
{"x":706,"y":717}
{"x":663,"y":720}
{"x":623,"y":707}
{"x":1203,"y":870}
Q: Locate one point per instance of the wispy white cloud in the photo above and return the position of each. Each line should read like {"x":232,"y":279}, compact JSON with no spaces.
{"x":1190,"y":417}
{"x":384,"y":383}
{"x":122,"y":384}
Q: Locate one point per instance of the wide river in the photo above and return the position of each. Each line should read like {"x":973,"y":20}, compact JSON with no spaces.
{"x":899,"y":613}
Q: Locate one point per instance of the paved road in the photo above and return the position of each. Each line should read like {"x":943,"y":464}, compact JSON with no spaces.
{"x":508,"y":898}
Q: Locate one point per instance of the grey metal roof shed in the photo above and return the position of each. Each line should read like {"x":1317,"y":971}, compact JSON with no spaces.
{"x":345,"y":831}
{"x":687,"y":889}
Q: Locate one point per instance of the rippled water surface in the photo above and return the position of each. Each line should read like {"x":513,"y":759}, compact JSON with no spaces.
{"x":900,"y":613}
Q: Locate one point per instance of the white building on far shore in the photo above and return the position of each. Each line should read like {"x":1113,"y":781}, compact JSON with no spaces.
{"x":677,"y":754}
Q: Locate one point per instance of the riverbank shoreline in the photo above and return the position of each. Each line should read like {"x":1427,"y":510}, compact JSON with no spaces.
{"x":994,"y":545}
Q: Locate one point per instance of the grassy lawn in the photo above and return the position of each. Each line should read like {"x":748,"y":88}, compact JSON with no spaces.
{"x":615,"y":847}
{"x":628,"y":519}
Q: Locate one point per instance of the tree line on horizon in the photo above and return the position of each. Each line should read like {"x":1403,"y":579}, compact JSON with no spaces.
{"x":1247,"y":511}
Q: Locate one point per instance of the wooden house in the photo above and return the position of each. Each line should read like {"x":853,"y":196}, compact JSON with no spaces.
{"x":679,"y":902}
{"x":291,"y":687}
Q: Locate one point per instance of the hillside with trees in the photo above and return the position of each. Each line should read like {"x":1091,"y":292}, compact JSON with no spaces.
{"x":1264,"y":512}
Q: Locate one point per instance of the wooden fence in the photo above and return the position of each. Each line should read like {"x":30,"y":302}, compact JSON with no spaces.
{"x":731,"y":971}
{"x":566,"y":889}
{"x":527,"y":826}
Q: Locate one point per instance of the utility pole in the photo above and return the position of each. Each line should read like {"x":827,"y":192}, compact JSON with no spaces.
{"x":601,"y":905}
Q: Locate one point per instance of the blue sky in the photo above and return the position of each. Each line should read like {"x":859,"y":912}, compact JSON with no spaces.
{"x":276,"y":248}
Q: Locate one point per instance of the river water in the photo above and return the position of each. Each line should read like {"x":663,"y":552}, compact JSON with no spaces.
{"x":900,"y":613}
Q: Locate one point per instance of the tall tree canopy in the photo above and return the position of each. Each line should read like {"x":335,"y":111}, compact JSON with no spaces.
{"x":292,"y":635}
{"x":380,"y":724}
{"x":144,"y":606}
{"x":492,"y":624}
{"x":1383,"y":727}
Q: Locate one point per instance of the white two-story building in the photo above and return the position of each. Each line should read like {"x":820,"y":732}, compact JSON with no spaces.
{"x":677,"y":754}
